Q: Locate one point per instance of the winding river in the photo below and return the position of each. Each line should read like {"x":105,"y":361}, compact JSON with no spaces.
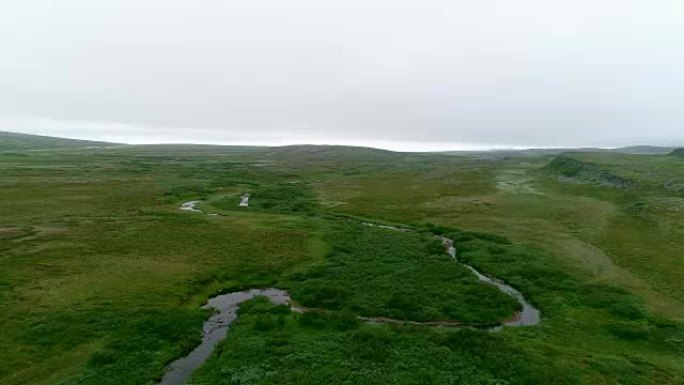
{"x":226,"y":306}
{"x":215,"y":330}
{"x":528,"y":316}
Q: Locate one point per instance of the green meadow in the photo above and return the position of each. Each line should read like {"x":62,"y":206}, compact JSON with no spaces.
{"x":102,"y":277}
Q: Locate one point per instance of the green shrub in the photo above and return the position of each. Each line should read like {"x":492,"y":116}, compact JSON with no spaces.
{"x":408,"y":276}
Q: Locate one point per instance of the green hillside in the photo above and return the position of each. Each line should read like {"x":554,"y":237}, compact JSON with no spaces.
{"x":679,"y":152}
{"x":571,"y":169}
{"x":12,"y":141}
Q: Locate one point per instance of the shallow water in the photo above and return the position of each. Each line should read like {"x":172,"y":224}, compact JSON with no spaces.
{"x":244,"y":200}
{"x":191,"y":206}
{"x":215,"y":330}
{"x":529,"y":314}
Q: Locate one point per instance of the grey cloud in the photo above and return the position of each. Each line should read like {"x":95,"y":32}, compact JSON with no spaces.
{"x":516,"y":73}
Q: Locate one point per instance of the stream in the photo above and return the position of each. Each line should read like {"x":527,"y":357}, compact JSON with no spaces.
{"x":527,"y":317}
{"x":226,"y":306}
{"x":215,"y":330}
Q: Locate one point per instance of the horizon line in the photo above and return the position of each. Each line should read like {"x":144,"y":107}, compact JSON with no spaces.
{"x":387,"y":145}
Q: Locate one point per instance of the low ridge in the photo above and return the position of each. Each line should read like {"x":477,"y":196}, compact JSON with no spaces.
{"x":12,"y":141}
{"x":571,"y":169}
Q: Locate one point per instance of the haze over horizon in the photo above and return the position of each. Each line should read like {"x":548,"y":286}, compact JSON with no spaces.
{"x":401,"y":75}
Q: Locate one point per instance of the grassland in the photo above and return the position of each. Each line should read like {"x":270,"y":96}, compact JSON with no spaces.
{"x":102,"y":277}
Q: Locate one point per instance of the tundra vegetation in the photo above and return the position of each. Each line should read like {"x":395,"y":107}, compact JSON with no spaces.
{"x":102,"y":277}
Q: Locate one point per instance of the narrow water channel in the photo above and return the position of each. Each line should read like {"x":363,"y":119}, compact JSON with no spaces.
{"x":226,"y":306}
{"x":528,"y":316}
{"x":215,"y":330}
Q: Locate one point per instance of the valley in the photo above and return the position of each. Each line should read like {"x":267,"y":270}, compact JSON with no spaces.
{"x":103,"y":278}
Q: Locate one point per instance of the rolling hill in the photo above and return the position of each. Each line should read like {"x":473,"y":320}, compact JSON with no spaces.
{"x":678,"y":152}
{"x":11,"y":141}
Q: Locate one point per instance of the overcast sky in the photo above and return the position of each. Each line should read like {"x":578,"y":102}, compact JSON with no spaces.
{"x":422,"y":74}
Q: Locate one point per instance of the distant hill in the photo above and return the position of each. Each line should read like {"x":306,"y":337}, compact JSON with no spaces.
{"x":332,"y":151}
{"x":528,"y":152}
{"x":655,"y":150}
{"x":574,"y":170}
{"x":321,"y":154}
{"x":341,"y":157}
{"x":678,"y":152}
{"x":11,"y":141}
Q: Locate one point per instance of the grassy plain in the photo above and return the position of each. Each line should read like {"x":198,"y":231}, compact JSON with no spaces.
{"x":101,"y":276}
